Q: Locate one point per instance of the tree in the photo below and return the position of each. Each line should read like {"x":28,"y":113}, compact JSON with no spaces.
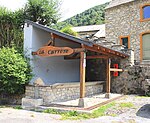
{"x":44,"y":12}
{"x":69,"y":31}
{"x":91,"y":16}
{"x":15,"y":72}
{"x":10,"y":28}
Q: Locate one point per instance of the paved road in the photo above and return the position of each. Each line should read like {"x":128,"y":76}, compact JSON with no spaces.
{"x":140,"y":114}
{"x":8,"y":115}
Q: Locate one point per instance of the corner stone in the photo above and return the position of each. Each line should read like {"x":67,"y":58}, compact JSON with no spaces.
{"x":26,"y":102}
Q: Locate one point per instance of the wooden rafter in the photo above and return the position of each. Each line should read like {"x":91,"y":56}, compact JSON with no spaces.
{"x":106,"y":51}
{"x":94,"y":49}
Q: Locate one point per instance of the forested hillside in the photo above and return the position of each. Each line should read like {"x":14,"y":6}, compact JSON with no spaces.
{"x":92,"y":16}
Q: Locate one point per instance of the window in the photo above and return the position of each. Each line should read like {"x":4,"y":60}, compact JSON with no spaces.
{"x":145,"y":46}
{"x":145,"y":12}
{"x":125,"y":40}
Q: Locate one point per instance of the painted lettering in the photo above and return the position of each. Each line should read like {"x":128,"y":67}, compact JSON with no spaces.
{"x":54,"y":51}
{"x":41,"y":52}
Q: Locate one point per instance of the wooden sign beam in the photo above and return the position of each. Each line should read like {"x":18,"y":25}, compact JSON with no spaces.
{"x":114,"y":69}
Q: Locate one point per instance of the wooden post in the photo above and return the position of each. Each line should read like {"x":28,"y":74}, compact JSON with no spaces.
{"x":108,"y":78}
{"x":82,"y":74}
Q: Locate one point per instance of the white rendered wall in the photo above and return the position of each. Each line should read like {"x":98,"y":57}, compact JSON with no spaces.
{"x":50,"y":69}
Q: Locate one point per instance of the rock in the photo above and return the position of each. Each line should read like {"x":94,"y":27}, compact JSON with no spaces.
{"x":39,"y":82}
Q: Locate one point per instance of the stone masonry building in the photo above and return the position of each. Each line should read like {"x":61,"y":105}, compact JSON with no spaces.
{"x":128,"y":24}
{"x":124,"y":21}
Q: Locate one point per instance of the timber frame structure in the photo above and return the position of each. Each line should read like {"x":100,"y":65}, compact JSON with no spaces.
{"x":80,"y":53}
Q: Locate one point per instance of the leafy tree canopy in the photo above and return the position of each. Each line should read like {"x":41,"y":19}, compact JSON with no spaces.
{"x":44,"y":12}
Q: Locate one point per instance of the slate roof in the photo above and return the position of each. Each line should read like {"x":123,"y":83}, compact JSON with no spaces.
{"x":114,"y":3}
{"x":100,"y":29}
{"x":89,"y":28}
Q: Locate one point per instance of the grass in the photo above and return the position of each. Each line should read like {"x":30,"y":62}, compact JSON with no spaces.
{"x":74,"y":115}
{"x":145,"y":96}
{"x":126,"y":105}
{"x":101,"y":111}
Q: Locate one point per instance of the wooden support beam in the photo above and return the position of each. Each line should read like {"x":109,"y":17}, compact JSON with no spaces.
{"x":51,"y":41}
{"x":114,"y":69}
{"x":82,"y":73}
{"x":97,"y":57}
{"x":78,"y":50}
{"x":108,"y":78}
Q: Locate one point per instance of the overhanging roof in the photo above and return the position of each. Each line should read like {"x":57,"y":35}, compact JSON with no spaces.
{"x":87,"y":44}
{"x":63,"y":35}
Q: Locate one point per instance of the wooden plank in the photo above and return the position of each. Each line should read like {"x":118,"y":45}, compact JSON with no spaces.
{"x":82,"y":74}
{"x":114,"y":69}
{"x":97,"y":57}
{"x":108,"y":76}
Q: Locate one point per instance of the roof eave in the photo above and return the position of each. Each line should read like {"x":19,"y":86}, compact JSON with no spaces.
{"x":64,"y":35}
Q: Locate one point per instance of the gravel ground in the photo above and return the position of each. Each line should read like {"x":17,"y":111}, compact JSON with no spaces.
{"x":139,"y":113}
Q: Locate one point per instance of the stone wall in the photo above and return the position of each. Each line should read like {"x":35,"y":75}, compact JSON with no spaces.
{"x":134,"y":80}
{"x":11,"y":99}
{"x":62,"y":91}
{"x":124,"y":20}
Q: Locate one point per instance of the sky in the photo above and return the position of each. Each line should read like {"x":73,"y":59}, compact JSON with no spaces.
{"x":68,"y":8}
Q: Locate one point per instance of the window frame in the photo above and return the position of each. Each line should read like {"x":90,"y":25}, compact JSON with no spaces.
{"x":141,"y":44}
{"x":141,"y":13}
{"x":120,"y":38}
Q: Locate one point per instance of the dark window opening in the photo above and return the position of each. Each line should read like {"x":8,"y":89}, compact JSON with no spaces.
{"x":125,"y":42}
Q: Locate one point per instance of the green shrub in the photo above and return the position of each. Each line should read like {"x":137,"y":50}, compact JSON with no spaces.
{"x":15,"y":71}
{"x":18,"y":107}
{"x":69,"y":31}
